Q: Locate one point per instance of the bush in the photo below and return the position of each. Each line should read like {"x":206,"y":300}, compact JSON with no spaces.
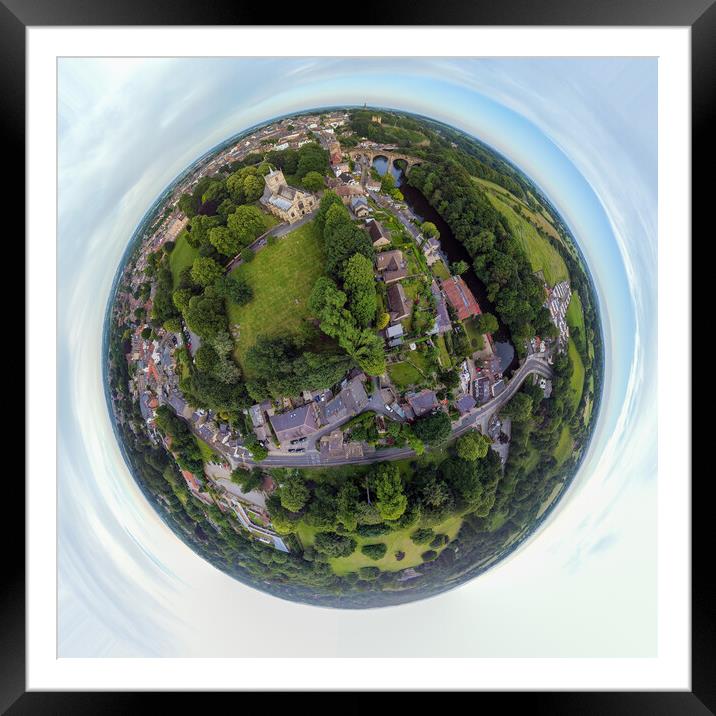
{"x":373,"y":530}
{"x":271,"y":241}
{"x":439,"y":541}
{"x":399,"y":556}
{"x":422,"y":535}
{"x":369,"y":573}
{"x":429,"y":556}
{"x":374,"y":551}
{"x":247,"y":254}
{"x":334,"y":545}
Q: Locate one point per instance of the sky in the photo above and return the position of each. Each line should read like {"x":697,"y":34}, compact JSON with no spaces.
{"x":585,"y":131}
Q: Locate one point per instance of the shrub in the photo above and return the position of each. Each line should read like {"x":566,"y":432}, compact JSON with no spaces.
{"x":422,"y":535}
{"x":334,"y":545}
{"x":429,"y":556}
{"x":373,"y":530}
{"x":374,"y":551}
{"x":369,"y":573}
{"x":399,"y":556}
{"x":439,"y":541}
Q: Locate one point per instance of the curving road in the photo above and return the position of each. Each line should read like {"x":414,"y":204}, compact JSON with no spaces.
{"x":533,"y":364}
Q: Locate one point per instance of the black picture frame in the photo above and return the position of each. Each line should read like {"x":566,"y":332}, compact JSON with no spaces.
{"x":699,"y":15}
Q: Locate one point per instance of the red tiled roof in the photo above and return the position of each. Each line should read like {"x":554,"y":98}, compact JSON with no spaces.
{"x":191,"y":481}
{"x":460,"y":297}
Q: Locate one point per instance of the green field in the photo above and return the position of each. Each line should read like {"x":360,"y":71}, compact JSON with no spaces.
{"x":473,"y":334}
{"x":564,"y":446}
{"x":575,"y":318}
{"x":281,"y":277}
{"x":182,"y":256}
{"x":541,"y":254}
{"x":403,"y":375}
{"x":207,"y":454}
{"x":444,"y":355}
{"x":396,"y":541}
{"x":440,"y":270}
{"x":577,"y":382}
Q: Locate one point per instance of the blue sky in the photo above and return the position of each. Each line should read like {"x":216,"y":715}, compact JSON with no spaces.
{"x":585,"y":130}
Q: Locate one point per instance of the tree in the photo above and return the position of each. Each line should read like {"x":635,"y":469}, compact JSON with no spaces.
{"x":313,"y":181}
{"x":391,"y":500}
{"x":248,"y":255}
{"x":247,"y":480}
{"x":257,"y":450}
{"x":486,"y":323}
{"x":459,"y":267}
{"x":472,"y":446}
{"x":293,"y":492}
{"x":235,"y":288}
{"x":204,"y":271}
{"x":329,"y":199}
{"x":433,"y":428}
{"x":205,"y":315}
{"x":334,"y":545}
{"x":247,"y":224}
{"x":422,"y":535}
{"x":519,"y":408}
{"x":383,"y":321}
{"x":429,"y":230}
{"x":173,"y":325}
{"x":224,"y":241}
{"x":311,"y":158}
{"x":346,"y":500}
{"x":374,"y":551}
{"x":359,"y":284}
{"x":146,"y":332}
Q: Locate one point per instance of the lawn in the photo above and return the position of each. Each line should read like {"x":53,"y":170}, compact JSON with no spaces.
{"x":541,"y":254}
{"x":444,"y":355}
{"x":564,"y":446}
{"x":577,"y":381}
{"x":182,"y":256}
{"x":575,"y":318}
{"x":440,"y":270}
{"x":404,"y":375}
{"x":207,"y":454}
{"x":282,"y":277}
{"x":396,"y":541}
{"x":473,"y":334}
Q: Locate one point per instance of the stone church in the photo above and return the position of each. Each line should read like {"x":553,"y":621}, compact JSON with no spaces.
{"x":284,"y":201}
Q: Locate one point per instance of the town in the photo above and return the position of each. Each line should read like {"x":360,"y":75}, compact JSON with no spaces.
{"x":439,"y":344}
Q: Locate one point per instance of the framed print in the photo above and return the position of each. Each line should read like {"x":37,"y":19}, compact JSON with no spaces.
{"x":367,"y":374}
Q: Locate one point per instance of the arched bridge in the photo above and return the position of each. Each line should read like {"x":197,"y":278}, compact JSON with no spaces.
{"x":370,"y":154}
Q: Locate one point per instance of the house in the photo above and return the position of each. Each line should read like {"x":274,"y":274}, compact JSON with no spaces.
{"x":377,"y":234}
{"x":359,"y":207}
{"x":342,"y":168}
{"x":373,"y":185}
{"x":392,"y":265}
{"x":422,"y":402}
{"x":395,"y":330}
{"x":465,"y":404}
{"x":431,"y":249}
{"x":482,"y":389}
{"x":284,"y":201}
{"x":298,"y":423}
{"x":460,"y":297}
{"x":398,"y":304}
{"x":350,"y":401}
{"x":498,"y":387}
{"x":348,"y":191}
{"x":332,"y":444}
{"x":442,"y":317}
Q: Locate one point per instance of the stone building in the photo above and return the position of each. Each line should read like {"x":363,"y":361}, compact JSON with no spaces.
{"x":286,"y":202}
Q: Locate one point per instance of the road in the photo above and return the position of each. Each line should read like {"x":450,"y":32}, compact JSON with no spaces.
{"x":533,"y":364}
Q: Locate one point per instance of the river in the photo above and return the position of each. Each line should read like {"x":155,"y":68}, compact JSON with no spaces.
{"x":455,"y":251}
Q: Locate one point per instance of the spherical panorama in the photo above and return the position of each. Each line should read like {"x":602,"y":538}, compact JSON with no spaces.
{"x":354,"y":357}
